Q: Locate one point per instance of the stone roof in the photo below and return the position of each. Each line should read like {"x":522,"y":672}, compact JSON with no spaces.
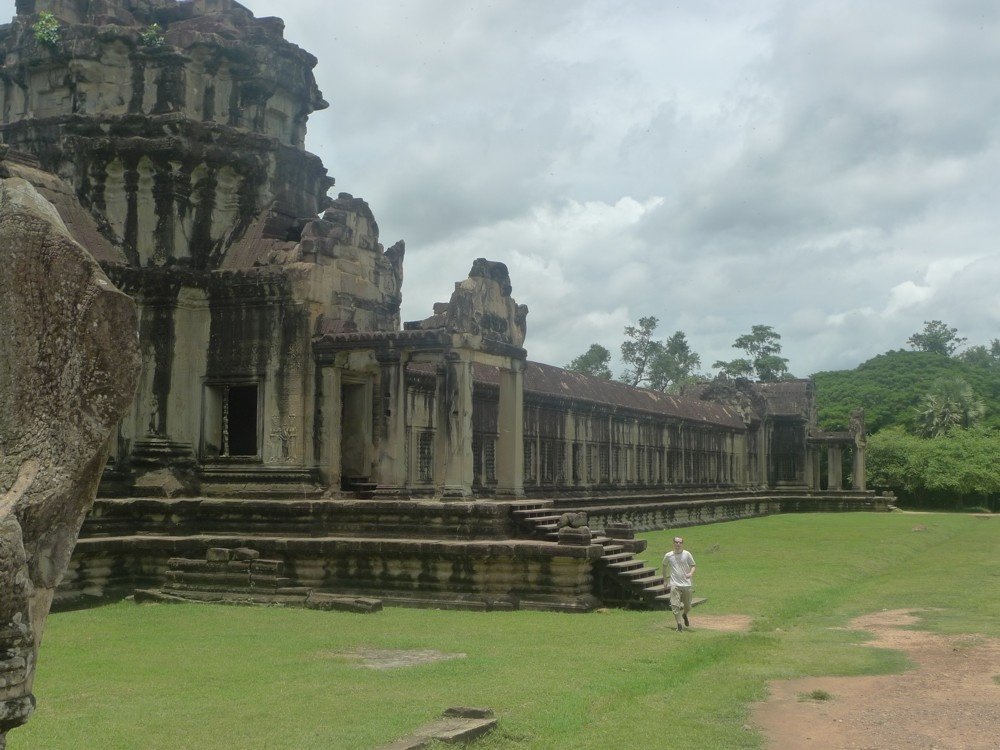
{"x":556,"y":382}
{"x":787,"y":398}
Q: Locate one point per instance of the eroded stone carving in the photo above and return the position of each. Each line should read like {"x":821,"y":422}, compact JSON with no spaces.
{"x":482,"y":305}
{"x":68,"y":366}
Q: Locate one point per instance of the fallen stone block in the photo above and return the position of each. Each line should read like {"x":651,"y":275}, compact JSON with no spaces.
{"x":457,"y":725}
{"x":340,"y":603}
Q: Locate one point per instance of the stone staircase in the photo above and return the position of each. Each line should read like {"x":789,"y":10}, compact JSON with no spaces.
{"x":238,"y":571}
{"x":620,"y":578}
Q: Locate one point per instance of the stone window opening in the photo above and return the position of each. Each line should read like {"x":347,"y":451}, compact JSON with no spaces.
{"x":484,"y":462}
{"x":530,"y":472}
{"x":232,"y":421}
{"x":425,"y":456}
{"x":547,"y":469}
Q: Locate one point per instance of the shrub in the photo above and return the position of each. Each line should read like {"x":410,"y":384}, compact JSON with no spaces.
{"x":152,"y":35}
{"x":955,"y":470}
{"x":46,"y":29}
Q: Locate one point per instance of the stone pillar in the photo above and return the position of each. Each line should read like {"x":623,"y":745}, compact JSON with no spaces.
{"x":835,"y":479}
{"x":763,"y":455}
{"x":453,"y":429}
{"x":858,"y":468}
{"x":510,"y":429}
{"x":391,"y":436}
{"x":328,"y":453}
{"x":812,"y":472}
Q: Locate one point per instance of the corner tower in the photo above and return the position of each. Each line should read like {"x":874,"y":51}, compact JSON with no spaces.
{"x":176,"y":123}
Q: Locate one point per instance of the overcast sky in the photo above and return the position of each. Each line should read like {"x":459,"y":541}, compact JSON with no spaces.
{"x":831,"y":169}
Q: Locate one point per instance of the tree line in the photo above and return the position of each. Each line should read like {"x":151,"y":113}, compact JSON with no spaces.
{"x":933,"y":414}
{"x":669,"y":365}
{"x":932,"y":411}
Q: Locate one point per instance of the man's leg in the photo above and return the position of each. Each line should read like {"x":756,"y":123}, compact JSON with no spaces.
{"x":686,"y":603}
{"x":677,"y":604}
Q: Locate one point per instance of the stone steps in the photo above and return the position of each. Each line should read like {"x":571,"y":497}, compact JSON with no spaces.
{"x":620,"y":578}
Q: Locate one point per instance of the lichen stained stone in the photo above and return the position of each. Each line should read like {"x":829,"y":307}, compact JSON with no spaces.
{"x":68,"y":366}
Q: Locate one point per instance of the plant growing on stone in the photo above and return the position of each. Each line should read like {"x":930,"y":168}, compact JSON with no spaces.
{"x":152,"y":35}
{"x":46,"y":29}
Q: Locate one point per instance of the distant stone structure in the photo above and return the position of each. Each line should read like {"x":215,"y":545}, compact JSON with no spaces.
{"x":69,"y":361}
{"x":283,"y":402}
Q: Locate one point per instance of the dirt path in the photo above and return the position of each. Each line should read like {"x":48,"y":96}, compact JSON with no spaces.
{"x":950,"y":701}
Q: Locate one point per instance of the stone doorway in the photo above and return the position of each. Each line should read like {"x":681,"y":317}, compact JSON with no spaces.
{"x":355,"y":431}
{"x":241,"y":410}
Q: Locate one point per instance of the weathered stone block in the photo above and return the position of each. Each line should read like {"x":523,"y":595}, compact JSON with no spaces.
{"x":579,"y":536}
{"x":68,"y":366}
{"x":334,"y":602}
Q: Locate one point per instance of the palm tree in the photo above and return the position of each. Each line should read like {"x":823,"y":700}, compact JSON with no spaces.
{"x":950,"y":403}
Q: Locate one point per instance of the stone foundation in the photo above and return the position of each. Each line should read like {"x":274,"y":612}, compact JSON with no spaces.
{"x":471,"y":555}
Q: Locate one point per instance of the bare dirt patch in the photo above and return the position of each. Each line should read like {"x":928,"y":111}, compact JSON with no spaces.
{"x":723,"y":623}
{"x":374,"y":658}
{"x":950,"y":701}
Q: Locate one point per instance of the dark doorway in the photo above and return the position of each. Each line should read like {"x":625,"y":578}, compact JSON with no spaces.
{"x":355,"y":417}
{"x":241,"y":422}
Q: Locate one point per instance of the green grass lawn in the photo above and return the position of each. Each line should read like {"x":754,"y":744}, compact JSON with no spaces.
{"x":200,"y":676}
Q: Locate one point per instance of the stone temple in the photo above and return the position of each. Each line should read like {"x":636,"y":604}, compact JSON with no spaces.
{"x":285,"y":410}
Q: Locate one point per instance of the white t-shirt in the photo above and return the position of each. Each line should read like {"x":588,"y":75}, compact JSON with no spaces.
{"x":680,"y":566}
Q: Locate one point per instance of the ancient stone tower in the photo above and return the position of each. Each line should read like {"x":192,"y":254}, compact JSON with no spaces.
{"x":180,"y":127}
{"x":177,"y":123}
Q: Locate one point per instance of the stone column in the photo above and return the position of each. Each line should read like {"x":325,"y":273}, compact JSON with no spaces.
{"x":834,"y":473}
{"x":328,"y":456}
{"x":391,"y":436}
{"x":812,"y":472}
{"x":453,"y":433}
{"x":763,"y":455}
{"x":858,"y":468}
{"x":510,"y":429}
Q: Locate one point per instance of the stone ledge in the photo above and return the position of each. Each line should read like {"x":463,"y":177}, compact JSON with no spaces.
{"x":456,"y":725}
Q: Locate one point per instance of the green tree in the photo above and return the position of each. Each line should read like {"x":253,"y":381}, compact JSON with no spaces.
{"x":982,"y":356}
{"x":958,"y":469}
{"x":936,"y":337}
{"x":595,"y":361}
{"x":639,"y":351}
{"x":891,"y":386}
{"x":950,"y":403}
{"x":675,"y":365}
{"x":762,"y":347}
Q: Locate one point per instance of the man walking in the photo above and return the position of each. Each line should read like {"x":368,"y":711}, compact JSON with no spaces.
{"x":681,"y":566}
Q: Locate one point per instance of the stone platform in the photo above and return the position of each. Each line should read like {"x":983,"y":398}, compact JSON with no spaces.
{"x":570,"y":554}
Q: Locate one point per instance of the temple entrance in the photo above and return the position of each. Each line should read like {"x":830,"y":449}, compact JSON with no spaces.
{"x":241,"y":420}
{"x":355,"y":431}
